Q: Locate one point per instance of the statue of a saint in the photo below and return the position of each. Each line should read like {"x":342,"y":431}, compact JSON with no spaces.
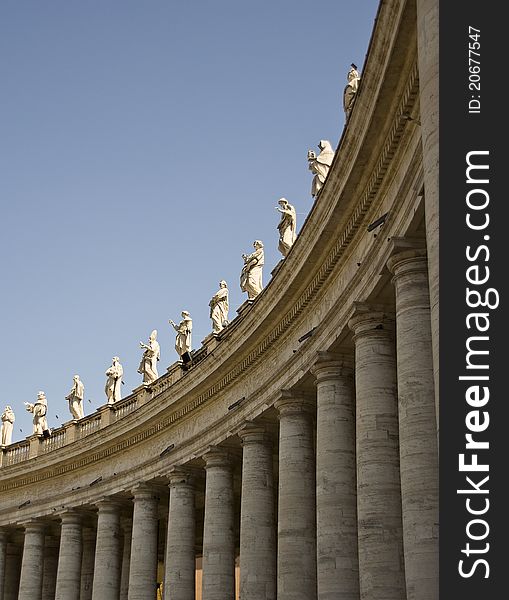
{"x":75,"y":398}
{"x":113,"y":387}
{"x":287,"y":226}
{"x":183,"y":339}
{"x":39,"y":410}
{"x":320,"y":165}
{"x":251,"y":275}
{"x":148,"y":364}
{"x":219,"y":308}
{"x":8,"y":419}
{"x":350,"y":89}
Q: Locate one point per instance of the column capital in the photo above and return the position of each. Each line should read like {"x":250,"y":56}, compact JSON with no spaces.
{"x":178,"y":476}
{"x":71,"y":516}
{"x":408,"y":260}
{"x":293,"y":402}
{"x":108,"y":505}
{"x":145,"y":491}
{"x":329,"y":365}
{"x":34,"y":525}
{"x":217,"y":457}
{"x":252,"y":432}
{"x":369,"y":319}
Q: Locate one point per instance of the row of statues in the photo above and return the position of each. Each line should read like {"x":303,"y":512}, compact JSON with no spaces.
{"x":250,"y":282}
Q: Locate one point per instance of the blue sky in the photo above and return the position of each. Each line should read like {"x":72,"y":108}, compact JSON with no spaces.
{"x":143,"y":147}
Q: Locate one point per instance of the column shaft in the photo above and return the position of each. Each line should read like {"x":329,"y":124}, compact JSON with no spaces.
{"x":87,"y":564}
{"x":3,"y":558}
{"x":143,"y":564}
{"x":49,"y":576}
{"x":296,"y":553}
{"x":127,"y":527}
{"x":69,"y":558}
{"x":179,"y":576}
{"x":257,"y":516}
{"x":380,"y":537}
{"x":30,"y":585}
{"x":417,"y":424}
{"x":427,"y":51}
{"x":336,"y":493}
{"x":107,"y":562}
{"x":218,"y":581}
{"x":12,"y":571}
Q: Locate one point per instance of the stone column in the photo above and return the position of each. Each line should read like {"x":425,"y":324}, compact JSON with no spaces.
{"x":417,"y":424}
{"x":380,"y":536}
{"x":12,"y":571}
{"x":30,"y":585}
{"x":49,"y":576}
{"x":107,"y":562}
{"x":127,"y":528}
{"x":427,"y":51}
{"x":69,"y":558}
{"x":87,"y":563}
{"x":218,"y":541}
{"x":336,"y":493}
{"x":143,"y":564}
{"x":3,"y":558}
{"x":258,"y":556}
{"x":179,"y":576}
{"x":296,"y":552}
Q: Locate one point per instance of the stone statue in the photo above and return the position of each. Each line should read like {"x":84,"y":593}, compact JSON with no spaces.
{"x":113,"y":387}
{"x":8,"y":419}
{"x":75,"y":398}
{"x":287,"y":226}
{"x":350,"y":89}
{"x":219,"y":308}
{"x":320,"y":165}
{"x":251,"y":275}
{"x":148,"y":364}
{"x":39,"y":410}
{"x":183,"y":339}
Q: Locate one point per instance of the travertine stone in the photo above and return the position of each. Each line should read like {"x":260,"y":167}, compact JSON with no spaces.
{"x":417,"y":424}
{"x":69,"y":557}
{"x":49,"y":576}
{"x":218,"y":539}
{"x":113,"y":387}
{"x":3,"y":558}
{"x":336,"y":494}
{"x":108,"y":556}
{"x":143,"y":564}
{"x":380,"y":535}
{"x":127,"y":528}
{"x":8,"y":419}
{"x":12,"y":571}
{"x":296,"y":552}
{"x":257,"y":516}
{"x":87,"y":563}
{"x":287,"y":226}
{"x":75,"y":398}
{"x":427,"y":51}
{"x":180,"y":551}
{"x":30,"y":585}
{"x":251,"y":276}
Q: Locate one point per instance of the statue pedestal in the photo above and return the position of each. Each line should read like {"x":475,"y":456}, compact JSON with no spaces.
{"x":244,"y":306}
{"x":277,"y":267}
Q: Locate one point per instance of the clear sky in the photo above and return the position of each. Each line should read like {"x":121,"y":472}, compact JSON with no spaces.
{"x":143,"y":147}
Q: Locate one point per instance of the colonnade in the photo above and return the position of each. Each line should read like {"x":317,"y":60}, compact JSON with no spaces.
{"x":338,"y":500}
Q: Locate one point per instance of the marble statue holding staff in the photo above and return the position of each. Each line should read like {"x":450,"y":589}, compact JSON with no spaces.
{"x":8,"y":419}
{"x":75,"y":398}
{"x":183,"y":338}
{"x":287,"y":226}
{"x":39,"y":409}
{"x":113,"y":387}
{"x":219,"y":308}
{"x":148,"y":364}
{"x":251,"y":275}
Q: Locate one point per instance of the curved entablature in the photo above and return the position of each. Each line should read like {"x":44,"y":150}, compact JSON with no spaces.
{"x":238,"y":375}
